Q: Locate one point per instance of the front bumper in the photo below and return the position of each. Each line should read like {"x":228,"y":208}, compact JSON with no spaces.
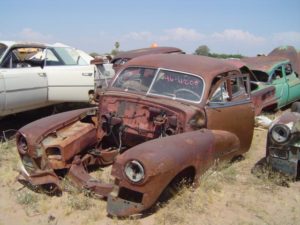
{"x":44,"y":179}
{"x":117,"y":206}
{"x":288,"y":167}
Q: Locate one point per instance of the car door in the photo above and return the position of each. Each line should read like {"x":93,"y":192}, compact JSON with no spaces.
{"x":293,"y":82}
{"x":67,"y":80}
{"x":278,"y":79}
{"x":25,"y":88}
{"x":229,"y":108}
{"x":2,"y":93}
{"x":23,"y":85}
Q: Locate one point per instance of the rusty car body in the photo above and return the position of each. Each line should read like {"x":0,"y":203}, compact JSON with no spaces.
{"x":283,"y":143}
{"x":122,"y":57}
{"x":164,"y":118}
{"x":278,"y":72}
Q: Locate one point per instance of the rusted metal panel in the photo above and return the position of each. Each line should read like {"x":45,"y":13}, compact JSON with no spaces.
{"x":80,"y":177}
{"x":263,"y":99}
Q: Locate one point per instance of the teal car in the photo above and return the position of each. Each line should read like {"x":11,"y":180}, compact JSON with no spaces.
{"x":278,"y":72}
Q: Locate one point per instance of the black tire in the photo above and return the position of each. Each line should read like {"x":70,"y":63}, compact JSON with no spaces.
{"x":295,"y":107}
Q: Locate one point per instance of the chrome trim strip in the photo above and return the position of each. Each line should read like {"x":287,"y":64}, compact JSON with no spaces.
{"x":24,"y":89}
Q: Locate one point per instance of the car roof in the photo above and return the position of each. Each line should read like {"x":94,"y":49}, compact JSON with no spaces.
{"x":24,"y":44}
{"x":206,"y":67}
{"x":264,"y":63}
{"x":145,"y":51}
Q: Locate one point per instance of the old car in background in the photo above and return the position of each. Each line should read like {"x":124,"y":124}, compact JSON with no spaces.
{"x":34,"y":75}
{"x":122,"y":57}
{"x":278,"y":72}
{"x":290,"y":53}
{"x":163,"y":119}
{"x":283,"y":143}
{"x":103,"y":78}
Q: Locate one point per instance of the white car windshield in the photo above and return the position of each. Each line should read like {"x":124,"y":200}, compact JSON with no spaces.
{"x":161,"y":82}
{"x":70,"y":56}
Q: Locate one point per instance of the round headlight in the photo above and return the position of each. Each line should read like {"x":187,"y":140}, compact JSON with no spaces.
{"x":134,"y":171}
{"x":22,"y":144}
{"x":280,"y":133}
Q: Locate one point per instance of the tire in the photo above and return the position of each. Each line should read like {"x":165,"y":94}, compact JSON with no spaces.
{"x":295,"y":107}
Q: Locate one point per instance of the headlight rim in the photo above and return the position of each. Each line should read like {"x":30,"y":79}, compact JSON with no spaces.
{"x":285,"y":128}
{"x":140,"y":164}
{"x":19,"y":146}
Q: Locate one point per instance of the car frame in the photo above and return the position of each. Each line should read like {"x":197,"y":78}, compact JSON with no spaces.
{"x":194,"y":112}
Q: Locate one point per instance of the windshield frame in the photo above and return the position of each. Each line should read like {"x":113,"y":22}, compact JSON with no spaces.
{"x":158,"y":70}
{"x":4,"y":47}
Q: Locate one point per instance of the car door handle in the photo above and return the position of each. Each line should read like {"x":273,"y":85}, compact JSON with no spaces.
{"x":42,"y":74}
{"x":87,"y":74}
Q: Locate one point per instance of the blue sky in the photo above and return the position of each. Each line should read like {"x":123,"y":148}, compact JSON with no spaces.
{"x":226,"y":26}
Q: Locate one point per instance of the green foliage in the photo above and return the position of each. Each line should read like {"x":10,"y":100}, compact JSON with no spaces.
{"x":116,"y":49}
{"x":117,"y":45}
{"x":94,"y":54}
{"x":225,"y":56}
{"x":204,"y":50}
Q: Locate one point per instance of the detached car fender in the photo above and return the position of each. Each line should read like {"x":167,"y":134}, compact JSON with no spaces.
{"x":162,"y":160}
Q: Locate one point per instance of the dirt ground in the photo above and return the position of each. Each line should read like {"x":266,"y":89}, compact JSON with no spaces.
{"x":227,"y":195}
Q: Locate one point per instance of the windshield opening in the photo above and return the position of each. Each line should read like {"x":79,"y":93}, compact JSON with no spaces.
{"x":260,"y":76}
{"x":165,"y":83}
{"x":135,"y":79}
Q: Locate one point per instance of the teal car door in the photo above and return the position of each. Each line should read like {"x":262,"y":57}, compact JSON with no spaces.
{"x":293,"y":82}
{"x":278,"y":79}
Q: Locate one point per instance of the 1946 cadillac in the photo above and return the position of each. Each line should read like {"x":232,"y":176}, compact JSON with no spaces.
{"x":163,"y":119}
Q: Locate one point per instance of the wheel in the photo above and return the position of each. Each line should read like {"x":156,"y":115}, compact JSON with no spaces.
{"x":295,"y":107}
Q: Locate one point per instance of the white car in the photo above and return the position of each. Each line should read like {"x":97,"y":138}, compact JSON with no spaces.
{"x":34,"y":75}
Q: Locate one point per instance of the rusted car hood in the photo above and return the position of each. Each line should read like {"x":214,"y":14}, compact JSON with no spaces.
{"x":38,"y":129}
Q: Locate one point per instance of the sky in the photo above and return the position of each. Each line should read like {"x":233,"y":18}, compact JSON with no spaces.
{"x":246,"y":27}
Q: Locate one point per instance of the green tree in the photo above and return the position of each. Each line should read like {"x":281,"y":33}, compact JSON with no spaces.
{"x":202,"y":50}
{"x":116,"y":49}
{"x":117,"y":45}
{"x":94,"y":54}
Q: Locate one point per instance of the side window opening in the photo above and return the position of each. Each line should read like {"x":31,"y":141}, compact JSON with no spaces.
{"x":24,"y":57}
{"x":230,"y":90}
{"x":52,"y":59}
{"x":220,"y":94}
{"x":288,"y":69}
{"x":277,"y":74}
